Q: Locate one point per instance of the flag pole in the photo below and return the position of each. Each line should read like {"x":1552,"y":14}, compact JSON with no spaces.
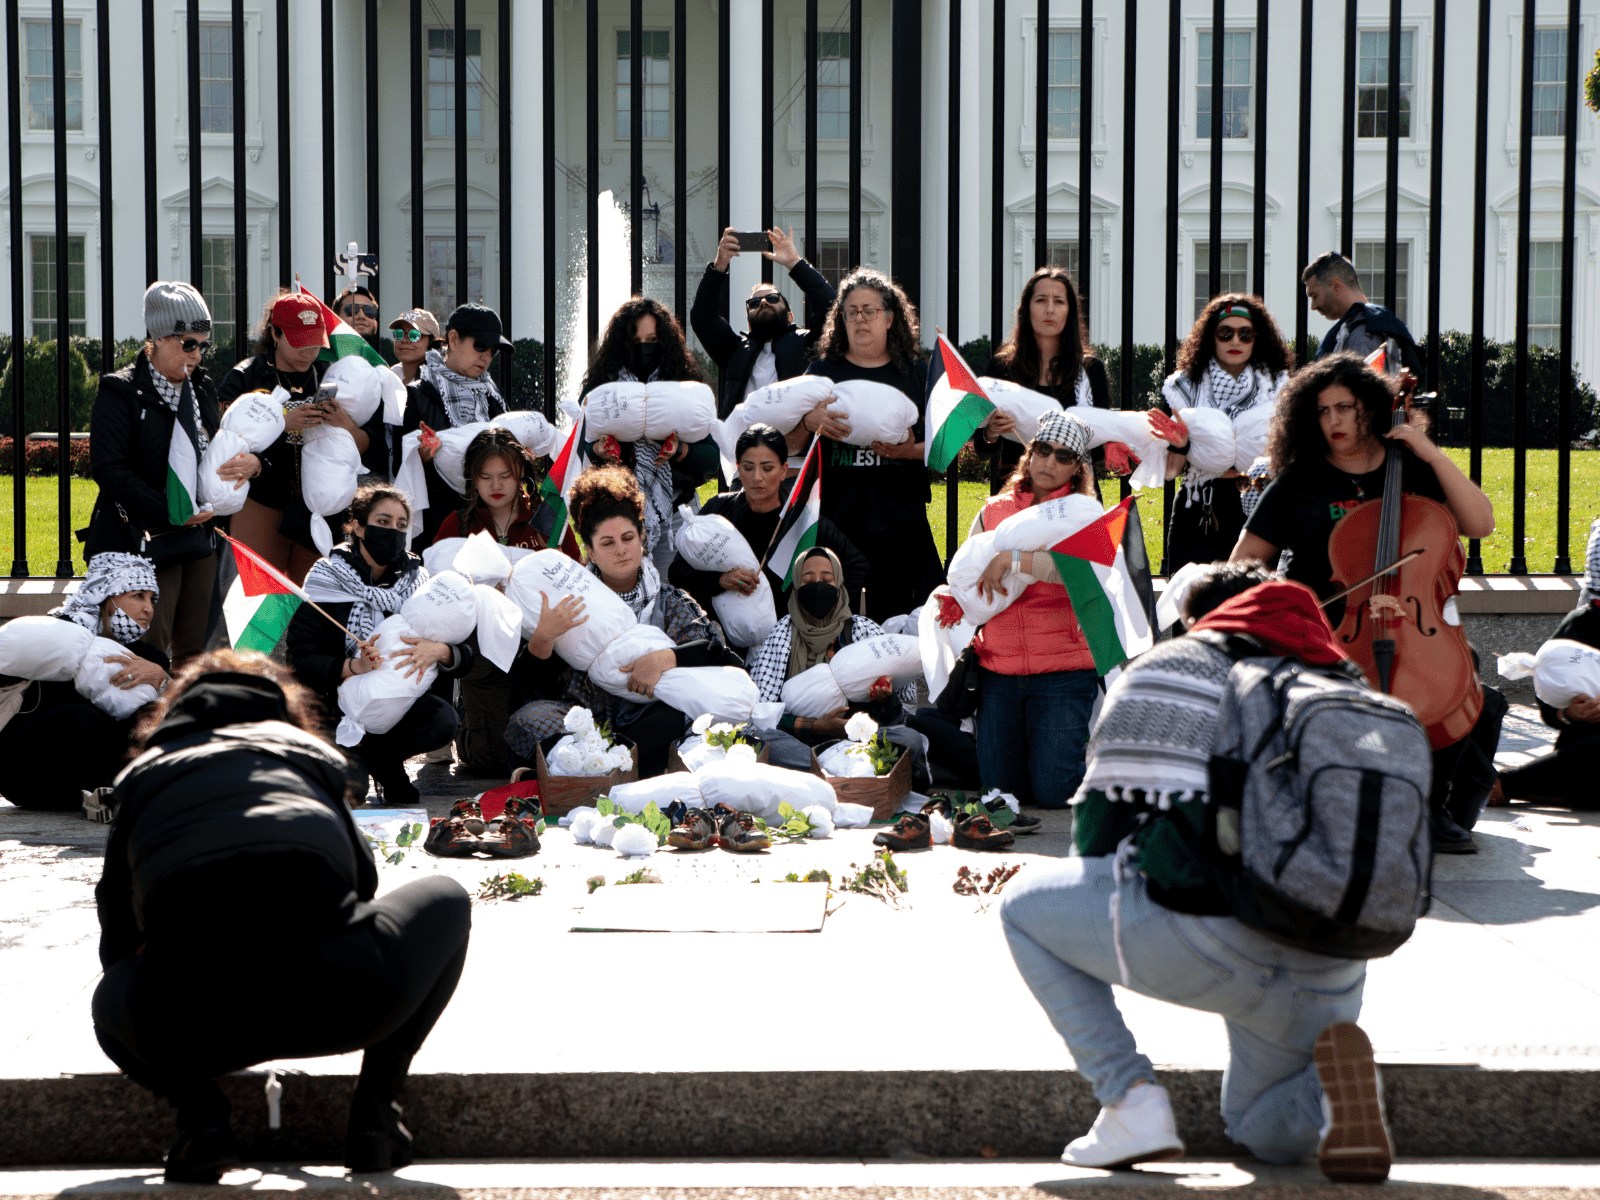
{"x":778,"y":528}
{"x":304,"y":599}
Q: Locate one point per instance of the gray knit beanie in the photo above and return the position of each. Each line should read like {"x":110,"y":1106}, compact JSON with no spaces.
{"x":173,"y":307}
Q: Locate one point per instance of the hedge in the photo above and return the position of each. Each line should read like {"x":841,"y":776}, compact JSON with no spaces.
{"x":44,"y":457}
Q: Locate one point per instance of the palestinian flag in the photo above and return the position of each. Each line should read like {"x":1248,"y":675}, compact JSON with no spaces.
{"x":956,"y":406}
{"x":797,"y":523}
{"x":1107,"y":576}
{"x":183,"y":461}
{"x":343,"y":341}
{"x":260,"y":602}
{"x":555,"y":487}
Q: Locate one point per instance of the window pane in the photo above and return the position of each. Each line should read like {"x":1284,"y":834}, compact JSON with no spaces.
{"x":832,"y":259}
{"x":1064,"y":253}
{"x":1064,"y":80}
{"x":655,"y":74}
{"x":42,"y":252}
{"x":41,"y":76}
{"x":1233,"y":277}
{"x":1372,"y":79}
{"x":1236,"y":77}
{"x":441,"y":263}
{"x":833,"y":85}
{"x":1369,"y":259}
{"x":441,"y":72}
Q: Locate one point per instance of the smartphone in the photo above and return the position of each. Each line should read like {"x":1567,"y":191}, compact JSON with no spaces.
{"x":753,"y":241}
{"x":326,"y":392}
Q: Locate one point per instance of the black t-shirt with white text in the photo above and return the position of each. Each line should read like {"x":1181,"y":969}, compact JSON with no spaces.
{"x":861,"y":490}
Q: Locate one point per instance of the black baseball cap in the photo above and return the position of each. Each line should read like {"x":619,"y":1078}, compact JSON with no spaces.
{"x":482,"y":325}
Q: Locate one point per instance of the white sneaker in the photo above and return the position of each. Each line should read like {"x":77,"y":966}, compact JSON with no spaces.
{"x":1138,"y":1129}
{"x":444,"y":754}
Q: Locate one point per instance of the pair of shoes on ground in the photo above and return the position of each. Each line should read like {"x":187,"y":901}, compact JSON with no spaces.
{"x":464,"y":833}
{"x":375,"y":1140}
{"x":1355,"y":1146}
{"x":911,"y":831}
{"x":702,"y":828}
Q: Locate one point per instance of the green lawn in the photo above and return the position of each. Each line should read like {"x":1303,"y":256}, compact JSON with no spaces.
{"x":40,"y":515}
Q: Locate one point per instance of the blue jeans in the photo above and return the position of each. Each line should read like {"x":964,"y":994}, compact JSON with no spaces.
{"x":1031,"y":732}
{"x":1275,"y":999}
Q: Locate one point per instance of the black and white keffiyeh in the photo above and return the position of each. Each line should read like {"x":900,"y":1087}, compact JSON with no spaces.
{"x":1156,"y":726}
{"x":642,"y":596}
{"x":465,"y":400}
{"x":654,"y":474}
{"x":1232,"y":394}
{"x":110,"y":574}
{"x":333,"y":580}
{"x":172,"y":396}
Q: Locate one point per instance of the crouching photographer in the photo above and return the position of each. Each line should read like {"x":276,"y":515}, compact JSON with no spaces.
{"x":238,"y":923}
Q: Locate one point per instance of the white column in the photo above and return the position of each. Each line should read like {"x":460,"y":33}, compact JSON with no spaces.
{"x":305,"y":142}
{"x":744,"y":121}
{"x":973,"y":290}
{"x":528,"y":268}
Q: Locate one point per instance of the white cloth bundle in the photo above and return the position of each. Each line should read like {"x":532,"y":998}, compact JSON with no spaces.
{"x":1040,"y":526}
{"x":549,"y":576}
{"x":329,"y":466}
{"x":726,"y":693}
{"x":1169,"y":609}
{"x":712,"y":543}
{"x":257,"y":418}
{"x":783,"y":405}
{"x":1133,"y":430}
{"x":480,"y":558}
{"x":875,"y":412}
{"x":499,"y":625}
{"x":633,"y":412}
{"x":759,"y":789}
{"x":813,"y":693}
{"x":906,"y":623}
{"x":375,"y":701}
{"x":443,"y":609}
{"x":632,"y":798}
{"x":1211,"y":441}
{"x":605,"y":670}
{"x":940,"y":647}
{"x":536,"y":434}
{"x":1250,"y":435}
{"x":838,"y":761}
{"x":360,"y":388}
{"x":441,"y":556}
{"x":1024,"y":405}
{"x":1561,"y":670}
{"x":251,"y":424}
{"x":861,"y":664}
{"x":747,"y":620}
{"x":44,"y":648}
{"x":967,"y":566}
{"x":93,"y":679}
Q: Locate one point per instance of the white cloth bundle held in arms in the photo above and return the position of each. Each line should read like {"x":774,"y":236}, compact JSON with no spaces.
{"x":252,"y":423}
{"x":875,"y":412}
{"x":631,"y":412}
{"x":375,"y":701}
{"x":712,"y":543}
{"x":94,"y":680}
{"x":1023,"y":405}
{"x":783,"y":405}
{"x":1037,"y":527}
{"x":850,"y":674}
{"x":1562,"y":670}
{"x":47,"y":649}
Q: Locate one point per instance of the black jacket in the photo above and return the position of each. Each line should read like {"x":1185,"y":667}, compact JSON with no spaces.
{"x":425,"y":406}
{"x":1368,"y":326}
{"x":705,"y":586}
{"x":226,"y":780}
{"x":1579,"y":625}
{"x":314,"y":646}
{"x":130,"y":432}
{"x":733,"y":353}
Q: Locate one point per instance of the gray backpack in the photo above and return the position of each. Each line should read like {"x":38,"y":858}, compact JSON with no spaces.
{"x":1318,"y":831}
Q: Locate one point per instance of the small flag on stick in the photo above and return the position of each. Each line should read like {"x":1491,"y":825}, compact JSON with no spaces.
{"x":956,"y":406}
{"x":1107,"y":576}
{"x":802,"y":513}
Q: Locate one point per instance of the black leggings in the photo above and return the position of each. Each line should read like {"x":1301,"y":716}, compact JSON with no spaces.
{"x":1566,"y":776}
{"x":49,"y":758}
{"x":428,"y":724}
{"x":175,"y":1018}
{"x":1206,"y":530}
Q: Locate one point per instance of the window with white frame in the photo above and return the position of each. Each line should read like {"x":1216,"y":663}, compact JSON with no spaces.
{"x":833,"y":84}
{"x":1235,"y":275}
{"x":442,"y":83}
{"x":216,"y":78}
{"x":1064,"y":103}
{"x":1371,"y":263}
{"x":1544,"y":294}
{"x":1549,"y":82}
{"x":1236,"y":80}
{"x":655,"y":64}
{"x":40,"y":82}
{"x":1372,"y":83}
{"x":832,"y":259}
{"x":1063,"y":252}
{"x":44,"y":263}
{"x":442,"y":294}
{"x":217,"y":286}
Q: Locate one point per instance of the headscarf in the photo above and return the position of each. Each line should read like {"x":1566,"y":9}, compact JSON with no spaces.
{"x":465,"y":400}
{"x":110,"y":574}
{"x":641,"y":597}
{"x":810,"y":639}
{"x":336,"y":580}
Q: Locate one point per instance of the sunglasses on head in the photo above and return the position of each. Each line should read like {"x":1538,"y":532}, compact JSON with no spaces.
{"x":369,"y":310}
{"x":408,"y":335}
{"x":1225,"y":333}
{"x":758,"y":301}
{"x":1063,"y":455}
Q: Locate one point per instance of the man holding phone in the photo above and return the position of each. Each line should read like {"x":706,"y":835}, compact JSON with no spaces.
{"x":774,"y":348}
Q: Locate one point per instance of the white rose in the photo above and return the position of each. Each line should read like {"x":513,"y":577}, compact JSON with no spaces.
{"x":592,"y":743}
{"x":583,"y":826}
{"x":595,"y":764}
{"x":742,"y":752}
{"x":604,"y":831}
{"x":938,"y":828}
{"x":701,"y":723}
{"x":620,"y":758}
{"x":860,"y":727}
{"x":579,"y":721}
{"x":821,"y":821}
{"x":634,"y":841}
{"x":722,"y":728}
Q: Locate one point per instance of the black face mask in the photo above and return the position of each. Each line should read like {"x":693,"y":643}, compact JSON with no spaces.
{"x":643,"y":358}
{"x":386,"y":546}
{"x":818,"y":598}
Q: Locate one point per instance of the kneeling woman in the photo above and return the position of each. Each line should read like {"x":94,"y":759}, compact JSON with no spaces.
{"x":1038,"y":681}
{"x":234,"y":858}
{"x":59,"y":745}
{"x":819,"y":624}
{"x":608,"y":510}
{"x":363,"y":581}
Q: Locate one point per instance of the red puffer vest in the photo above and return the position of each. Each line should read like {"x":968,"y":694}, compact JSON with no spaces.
{"x":1039,"y":633}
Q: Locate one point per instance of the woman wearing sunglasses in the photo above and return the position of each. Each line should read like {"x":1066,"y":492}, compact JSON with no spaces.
{"x":1234,"y":360}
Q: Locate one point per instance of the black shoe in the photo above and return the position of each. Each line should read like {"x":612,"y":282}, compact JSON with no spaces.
{"x":1450,"y":838}
{"x":1021,"y":822}
{"x":375,"y":1140}
{"x":202,"y":1155}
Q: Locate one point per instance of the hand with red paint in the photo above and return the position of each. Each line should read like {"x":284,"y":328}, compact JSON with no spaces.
{"x":882,"y":689}
{"x":950,"y":611}
{"x":1119,"y":459}
{"x":1168,"y":429}
{"x":430,"y":443}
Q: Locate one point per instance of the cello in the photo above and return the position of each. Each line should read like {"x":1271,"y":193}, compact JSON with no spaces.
{"x":1408,"y":548}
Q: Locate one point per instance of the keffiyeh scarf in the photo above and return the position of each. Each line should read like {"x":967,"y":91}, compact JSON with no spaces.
{"x":333,"y":580}
{"x":109,"y":575}
{"x":654,"y":474}
{"x":465,"y":400}
{"x":172,"y":395}
{"x":1591,"y":570}
{"x":642,"y":599}
{"x":1232,"y":395}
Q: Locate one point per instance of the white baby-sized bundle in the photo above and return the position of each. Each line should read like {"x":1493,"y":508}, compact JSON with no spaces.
{"x":537,"y":436}
{"x":329,"y":467}
{"x":360,"y":388}
{"x":549,"y":576}
{"x":1037,"y":527}
{"x":1562,"y":670}
{"x":443,"y":609}
{"x":1250,"y":435}
{"x":849,"y":676}
{"x":374,"y":701}
{"x":47,"y":649}
{"x":759,"y":789}
{"x":94,"y":675}
{"x":1133,"y":430}
{"x":252,"y":423}
{"x":634,"y":412}
{"x":1024,"y":405}
{"x":1212,"y":446}
{"x":711,"y":543}
{"x":783,"y":405}
{"x":940,"y":647}
{"x":633,"y":798}
{"x":875,"y":412}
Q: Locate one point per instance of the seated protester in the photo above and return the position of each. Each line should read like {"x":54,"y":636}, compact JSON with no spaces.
{"x":59,"y":745}
{"x":1567,"y":776}
{"x":643,"y":342}
{"x":237,"y":919}
{"x":1150,"y":754}
{"x":454,"y":388}
{"x":367,"y":578}
{"x":608,"y":512}
{"x":753,"y":510}
{"x":501,"y":500}
{"x":817,"y":626}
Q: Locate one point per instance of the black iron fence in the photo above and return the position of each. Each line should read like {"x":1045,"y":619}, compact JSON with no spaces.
{"x":1492,"y":388}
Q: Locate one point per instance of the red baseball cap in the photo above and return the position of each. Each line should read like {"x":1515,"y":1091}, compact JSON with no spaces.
{"x":300,"y":319}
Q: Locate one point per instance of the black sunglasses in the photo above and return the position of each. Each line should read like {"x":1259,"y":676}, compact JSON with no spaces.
{"x":1063,"y":456}
{"x":758,"y":301}
{"x":1246,"y":333}
{"x":350,"y":310}
{"x":190,"y":345}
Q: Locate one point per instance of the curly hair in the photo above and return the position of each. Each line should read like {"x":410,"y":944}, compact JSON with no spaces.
{"x":1200,"y":347}
{"x":602,"y":493}
{"x":1296,"y":431}
{"x":494,"y":442}
{"x":1019,"y":353}
{"x":611,"y":355}
{"x":904,"y":332}
{"x":304,"y":711}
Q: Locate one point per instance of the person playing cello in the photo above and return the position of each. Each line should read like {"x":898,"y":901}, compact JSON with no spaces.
{"x":1330,"y":445}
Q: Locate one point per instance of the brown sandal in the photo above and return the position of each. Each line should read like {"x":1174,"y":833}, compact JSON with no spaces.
{"x":978,"y":833}
{"x":910,"y":832}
